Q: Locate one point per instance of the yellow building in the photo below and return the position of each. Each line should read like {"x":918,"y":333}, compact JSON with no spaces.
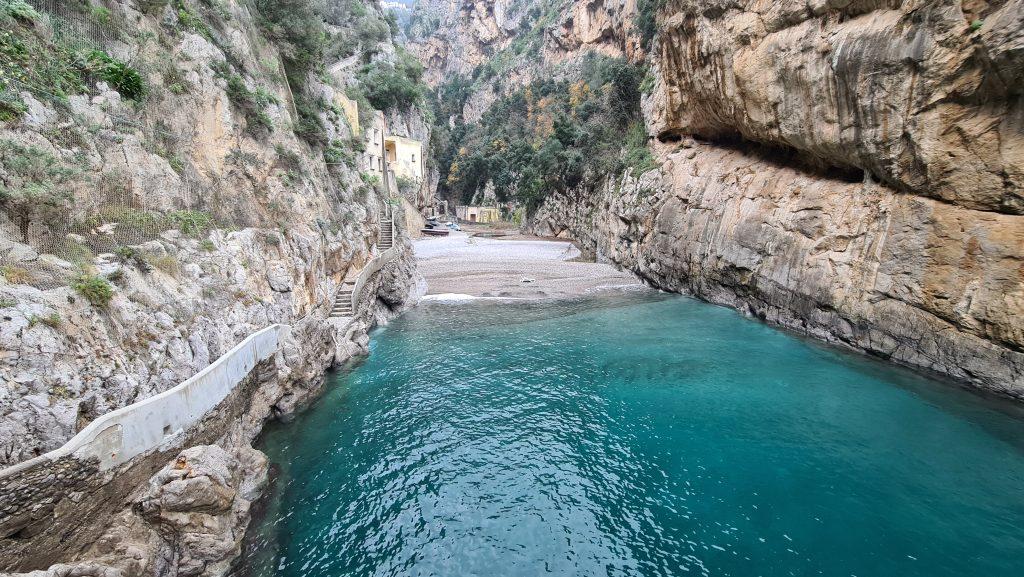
{"x":373,"y":157}
{"x":404,"y":156}
{"x":481,"y":214}
{"x":350,"y":108}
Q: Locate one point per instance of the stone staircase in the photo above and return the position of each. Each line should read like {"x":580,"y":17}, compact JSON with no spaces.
{"x":386,"y":239}
{"x":343,"y":301}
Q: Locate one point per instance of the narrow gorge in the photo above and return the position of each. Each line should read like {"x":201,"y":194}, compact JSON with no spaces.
{"x":352,"y":287}
{"x":851,"y":171}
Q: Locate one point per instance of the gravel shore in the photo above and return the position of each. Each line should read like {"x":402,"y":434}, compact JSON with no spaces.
{"x":460,"y":266}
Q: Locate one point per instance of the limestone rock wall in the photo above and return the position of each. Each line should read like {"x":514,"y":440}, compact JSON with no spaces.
{"x":904,"y":277}
{"x":605,"y":26}
{"x":467,"y":32}
{"x":266,"y":233}
{"x":848,"y":170}
{"x":925,"y":95}
{"x":471,"y":33}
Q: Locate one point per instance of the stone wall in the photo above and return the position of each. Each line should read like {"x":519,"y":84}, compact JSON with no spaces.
{"x":30,"y":491}
{"x":27,"y":499}
{"x":121,"y":435}
{"x":53,"y":519}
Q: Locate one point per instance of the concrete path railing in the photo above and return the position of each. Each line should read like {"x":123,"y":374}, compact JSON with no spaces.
{"x":118,"y":436}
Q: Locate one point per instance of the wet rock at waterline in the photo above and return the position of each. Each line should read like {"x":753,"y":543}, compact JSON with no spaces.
{"x":189,"y":521}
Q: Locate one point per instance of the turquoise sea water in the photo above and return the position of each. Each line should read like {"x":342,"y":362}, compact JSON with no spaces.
{"x":636,"y":435}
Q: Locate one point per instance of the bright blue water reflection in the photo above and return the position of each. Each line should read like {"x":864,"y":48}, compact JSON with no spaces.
{"x":637,"y":435}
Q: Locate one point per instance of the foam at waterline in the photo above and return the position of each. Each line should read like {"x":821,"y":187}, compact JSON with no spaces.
{"x":460,"y":297}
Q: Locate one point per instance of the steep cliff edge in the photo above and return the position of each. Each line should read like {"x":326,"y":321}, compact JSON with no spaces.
{"x":925,"y":96}
{"x":848,"y":170}
{"x":145,"y":231}
{"x":177,"y":175}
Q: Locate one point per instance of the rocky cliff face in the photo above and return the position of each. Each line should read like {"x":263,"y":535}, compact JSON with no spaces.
{"x":457,"y":36}
{"x":882,"y":209}
{"x":198,"y":206}
{"x":605,"y":26}
{"x":848,"y":170}
{"x":925,"y":96}
{"x":454,"y":37}
{"x":167,"y":188}
{"x":903,"y":277}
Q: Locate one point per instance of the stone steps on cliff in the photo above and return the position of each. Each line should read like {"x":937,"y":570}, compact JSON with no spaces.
{"x":386,"y":239}
{"x":343,"y":302}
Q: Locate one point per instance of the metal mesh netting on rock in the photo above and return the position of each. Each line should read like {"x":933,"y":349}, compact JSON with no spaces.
{"x":62,"y":202}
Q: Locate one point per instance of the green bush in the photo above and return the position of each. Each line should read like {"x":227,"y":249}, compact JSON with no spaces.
{"x":131,"y":255}
{"x":365,"y":108}
{"x":405,"y":184}
{"x":339,"y":153}
{"x":119,"y":75}
{"x":11,"y":106}
{"x":309,"y":126}
{"x":191,"y":222}
{"x":30,"y":61}
{"x":253,"y":104}
{"x":51,"y":320}
{"x":647,"y":84}
{"x":167,"y":263}
{"x":15,"y":274}
{"x":188,"y":20}
{"x":646,"y":19}
{"x":550,"y":136}
{"x":20,"y":10}
{"x":100,"y":14}
{"x":97,"y":290}
{"x":34,"y":189}
{"x":297,"y":28}
{"x":357,"y":29}
{"x":393,"y":85}
{"x":288,"y":158}
{"x":636,"y":154}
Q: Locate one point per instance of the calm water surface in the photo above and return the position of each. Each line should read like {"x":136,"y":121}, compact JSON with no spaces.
{"x":637,"y":435}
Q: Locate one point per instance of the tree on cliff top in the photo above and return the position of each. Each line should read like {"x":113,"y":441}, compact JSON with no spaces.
{"x":552,"y":135}
{"x":395,"y":85}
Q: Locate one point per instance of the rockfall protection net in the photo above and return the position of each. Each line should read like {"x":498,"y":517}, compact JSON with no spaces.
{"x":74,"y":187}
{"x":58,"y":197}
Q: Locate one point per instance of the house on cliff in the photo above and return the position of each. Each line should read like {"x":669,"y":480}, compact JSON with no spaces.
{"x":480,"y":214}
{"x":404,"y":156}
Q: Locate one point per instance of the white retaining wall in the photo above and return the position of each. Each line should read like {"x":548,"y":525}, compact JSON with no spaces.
{"x":158,"y":421}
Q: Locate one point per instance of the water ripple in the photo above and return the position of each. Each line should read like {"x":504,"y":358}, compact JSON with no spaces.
{"x":636,"y":435}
